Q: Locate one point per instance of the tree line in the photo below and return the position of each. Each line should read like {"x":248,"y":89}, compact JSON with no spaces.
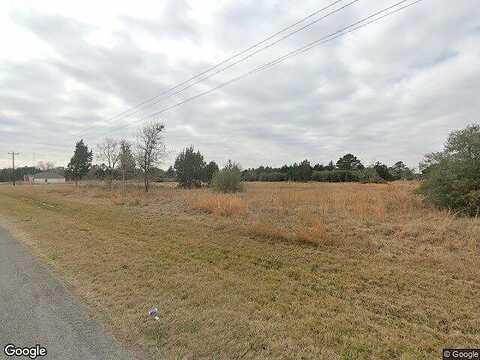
{"x":123,"y":160}
{"x":348,"y":168}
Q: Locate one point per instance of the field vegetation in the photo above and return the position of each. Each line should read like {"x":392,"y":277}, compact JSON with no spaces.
{"x":279,"y":270}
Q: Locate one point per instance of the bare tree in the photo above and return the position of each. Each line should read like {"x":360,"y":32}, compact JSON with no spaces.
{"x":150,"y":149}
{"x":109,"y":152}
{"x":126,"y":162}
{"x":45,"y":166}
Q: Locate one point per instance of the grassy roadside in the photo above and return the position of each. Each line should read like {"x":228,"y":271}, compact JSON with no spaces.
{"x":222,"y":294}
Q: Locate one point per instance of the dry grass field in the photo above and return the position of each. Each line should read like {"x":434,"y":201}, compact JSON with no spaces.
{"x":290,"y":271}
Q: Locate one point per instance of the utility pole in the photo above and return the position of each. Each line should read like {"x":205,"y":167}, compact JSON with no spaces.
{"x":13,"y":153}
{"x":124,"y":183}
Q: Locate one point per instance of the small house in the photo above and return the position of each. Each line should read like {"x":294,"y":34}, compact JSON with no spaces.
{"x":48,"y":177}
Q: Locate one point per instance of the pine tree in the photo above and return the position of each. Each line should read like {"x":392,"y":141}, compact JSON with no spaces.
{"x":349,"y":162}
{"x":80,"y":163}
{"x":210,"y":170}
{"x":189,"y":167}
{"x":304,"y":171}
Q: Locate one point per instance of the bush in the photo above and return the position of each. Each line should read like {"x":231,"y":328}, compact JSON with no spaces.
{"x":453,"y":177}
{"x":228,"y":179}
{"x":336,"y":176}
{"x":454,"y":185}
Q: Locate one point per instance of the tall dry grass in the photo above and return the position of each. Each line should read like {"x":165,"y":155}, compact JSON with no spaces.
{"x":219,"y":204}
{"x":349,"y":214}
{"x":334,"y":214}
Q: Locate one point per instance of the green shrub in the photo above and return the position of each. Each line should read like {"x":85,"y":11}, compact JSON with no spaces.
{"x":454,"y":185}
{"x":452,"y":177}
{"x":228,"y":179}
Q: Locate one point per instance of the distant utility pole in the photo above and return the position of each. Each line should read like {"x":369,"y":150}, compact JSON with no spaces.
{"x":124,"y":183}
{"x":13,"y":153}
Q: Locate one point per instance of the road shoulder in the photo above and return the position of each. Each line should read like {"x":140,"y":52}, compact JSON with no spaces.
{"x":38,"y":309}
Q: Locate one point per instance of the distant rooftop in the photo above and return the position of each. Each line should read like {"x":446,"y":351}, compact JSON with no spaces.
{"x":48,"y":175}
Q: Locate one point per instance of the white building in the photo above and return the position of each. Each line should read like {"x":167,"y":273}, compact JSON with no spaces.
{"x":48,"y":177}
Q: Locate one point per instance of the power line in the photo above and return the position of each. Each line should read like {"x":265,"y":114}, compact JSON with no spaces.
{"x":233,"y":56}
{"x":255,"y":52}
{"x":165,"y":94}
{"x":339,"y":33}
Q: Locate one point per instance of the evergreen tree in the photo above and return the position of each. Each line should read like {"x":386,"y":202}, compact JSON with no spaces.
{"x":210,"y":170}
{"x":304,"y":171}
{"x":349,"y":162}
{"x":401,"y":171}
{"x":330,"y":166}
{"x":383,"y":171}
{"x":190,"y":168}
{"x":294,"y":172}
{"x":80,"y":163}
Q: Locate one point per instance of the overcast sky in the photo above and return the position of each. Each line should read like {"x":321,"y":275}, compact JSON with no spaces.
{"x":387,"y":92}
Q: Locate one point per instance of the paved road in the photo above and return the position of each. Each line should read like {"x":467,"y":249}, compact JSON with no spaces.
{"x":35,"y":308}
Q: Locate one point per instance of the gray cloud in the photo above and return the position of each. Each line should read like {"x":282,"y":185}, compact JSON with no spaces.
{"x":389,"y":92}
